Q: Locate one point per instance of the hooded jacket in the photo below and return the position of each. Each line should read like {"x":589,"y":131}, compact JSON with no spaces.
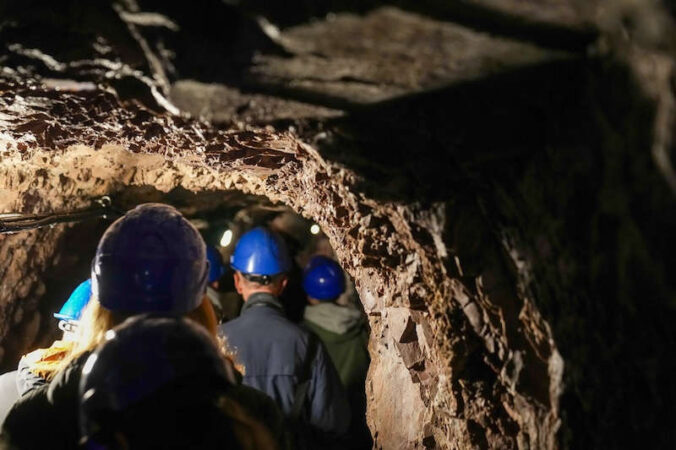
{"x":342,"y":329}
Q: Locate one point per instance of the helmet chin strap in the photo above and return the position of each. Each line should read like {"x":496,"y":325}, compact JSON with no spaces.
{"x":263,"y":280}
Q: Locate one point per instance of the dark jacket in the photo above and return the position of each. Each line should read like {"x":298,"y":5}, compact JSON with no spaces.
{"x":47,"y":417}
{"x":36,"y":367}
{"x":343,"y":331}
{"x":278,"y":356}
{"x":15,"y":384}
{"x":26,"y":380}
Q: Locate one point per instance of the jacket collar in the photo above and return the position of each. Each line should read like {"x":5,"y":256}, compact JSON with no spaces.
{"x":262,"y":299}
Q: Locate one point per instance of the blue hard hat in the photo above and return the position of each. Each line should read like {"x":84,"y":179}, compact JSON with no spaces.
{"x":260,"y":252}
{"x":72,"y":309}
{"x":139,"y":358}
{"x":216,"y":267}
{"x":323,"y":279}
{"x":150,"y":260}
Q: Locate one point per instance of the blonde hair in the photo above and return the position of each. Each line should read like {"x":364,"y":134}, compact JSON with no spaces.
{"x":97,"y":320}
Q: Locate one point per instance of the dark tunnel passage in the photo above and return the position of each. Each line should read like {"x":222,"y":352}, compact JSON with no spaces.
{"x":221,"y":217}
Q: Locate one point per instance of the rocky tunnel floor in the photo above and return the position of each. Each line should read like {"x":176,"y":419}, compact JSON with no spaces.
{"x":495,"y":178}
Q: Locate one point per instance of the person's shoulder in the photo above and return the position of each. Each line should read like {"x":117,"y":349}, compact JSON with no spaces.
{"x":67,"y":380}
{"x":283,"y":331}
{"x":310,"y":342}
{"x":30,"y":409}
{"x":296,"y":329}
{"x":230,"y":325}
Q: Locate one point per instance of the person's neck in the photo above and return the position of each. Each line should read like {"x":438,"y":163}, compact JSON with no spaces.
{"x":259,"y":291}
{"x":314,"y":301}
{"x":261,"y":298}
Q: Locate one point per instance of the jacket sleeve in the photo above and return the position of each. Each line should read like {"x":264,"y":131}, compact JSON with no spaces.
{"x":30,"y":423}
{"x":47,"y":416}
{"x":8,"y":393}
{"x":329,"y":410}
{"x":26,"y":380}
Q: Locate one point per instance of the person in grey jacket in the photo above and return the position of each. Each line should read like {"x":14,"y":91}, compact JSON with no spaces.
{"x":280,"y":358}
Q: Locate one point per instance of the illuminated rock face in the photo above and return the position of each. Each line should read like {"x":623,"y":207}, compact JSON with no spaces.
{"x":421,"y":318}
{"x":499,"y":209}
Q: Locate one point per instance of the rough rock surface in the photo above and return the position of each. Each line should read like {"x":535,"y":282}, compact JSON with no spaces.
{"x":564,"y":24}
{"x":75,"y":146}
{"x":222,"y":104}
{"x":509,"y":231}
{"x":385,"y":54}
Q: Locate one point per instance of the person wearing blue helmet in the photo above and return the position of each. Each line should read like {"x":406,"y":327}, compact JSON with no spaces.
{"x":226,"y":304}
{"x":216,"y":266}
{"x":37,"y":368}
{"x":280,"y":358}
{"x":343,"y":331}
{"x":70,"y":312}
{"x":216,"y":271}
{"x":151,"y":260}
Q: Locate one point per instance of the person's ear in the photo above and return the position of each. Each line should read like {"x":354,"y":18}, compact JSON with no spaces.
{"x":238,"y":282}
{"x":282,"y":283}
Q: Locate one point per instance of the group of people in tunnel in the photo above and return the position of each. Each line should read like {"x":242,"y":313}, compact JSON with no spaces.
{"x":152,"y":357}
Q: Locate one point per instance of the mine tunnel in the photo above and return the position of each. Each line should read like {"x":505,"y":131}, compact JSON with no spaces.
{"x":495,"y":179}
{"x":221,"y":217}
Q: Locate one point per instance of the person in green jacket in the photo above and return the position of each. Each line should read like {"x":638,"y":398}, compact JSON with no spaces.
{"x":344,"y":332}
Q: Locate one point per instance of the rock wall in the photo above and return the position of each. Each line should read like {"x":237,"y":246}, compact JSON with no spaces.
{"x":421,"y":318}
{"x":505,"y":211}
